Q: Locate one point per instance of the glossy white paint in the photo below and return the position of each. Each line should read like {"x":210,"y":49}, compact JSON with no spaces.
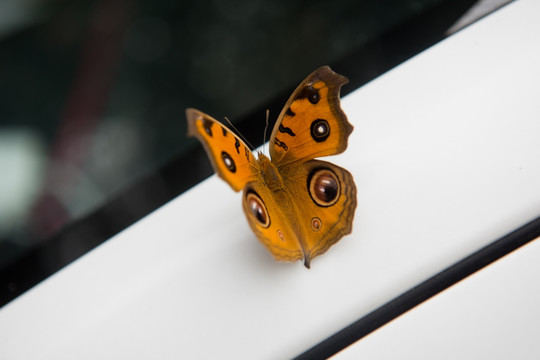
{"x":491,"y":315}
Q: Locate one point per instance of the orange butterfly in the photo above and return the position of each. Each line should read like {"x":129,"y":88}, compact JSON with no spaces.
{"x":297,"y":206}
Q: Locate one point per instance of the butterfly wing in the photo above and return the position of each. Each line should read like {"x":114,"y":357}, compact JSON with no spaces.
{"x":232,"y":160}
{"x":313,"y":212}
{"x":329,"y":202}
{"x":312,"y":123}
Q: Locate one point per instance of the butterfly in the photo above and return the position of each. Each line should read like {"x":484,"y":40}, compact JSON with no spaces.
{"x":297,"y":206}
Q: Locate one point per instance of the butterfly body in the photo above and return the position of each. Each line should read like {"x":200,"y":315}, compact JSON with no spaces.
{"x":297,"y":206}
{"x":269,"y":173}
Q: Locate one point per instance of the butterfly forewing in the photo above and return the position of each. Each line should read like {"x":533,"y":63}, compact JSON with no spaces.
{"x":232,"y":160}
{"x":312,"y":123}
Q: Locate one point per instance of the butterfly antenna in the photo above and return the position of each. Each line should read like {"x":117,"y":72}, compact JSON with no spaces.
{"x":239,"y":133}
{"x":266,"y":128}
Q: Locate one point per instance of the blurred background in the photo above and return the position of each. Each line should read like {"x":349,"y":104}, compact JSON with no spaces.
{"x":93,"y":94}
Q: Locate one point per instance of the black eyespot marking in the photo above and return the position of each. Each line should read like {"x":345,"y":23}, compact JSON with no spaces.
{"x":310,"y":93}
{"x":228,"y":161}
{"x":289,"y":112}
{"x":237,"y":145}
{"x":286,"y":130}
{"x":314,"y":98}
{"x":281,"y":144}
{"x":257,"y":209}
{"x":323,"y":187}
{"x":320,"y":130}
{"x":224,"y":131}
{"x":207,"y":125}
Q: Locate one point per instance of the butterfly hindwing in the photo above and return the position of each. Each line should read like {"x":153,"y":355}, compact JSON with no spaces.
{"x":312,"y":212}
{"x":328,"y":195}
